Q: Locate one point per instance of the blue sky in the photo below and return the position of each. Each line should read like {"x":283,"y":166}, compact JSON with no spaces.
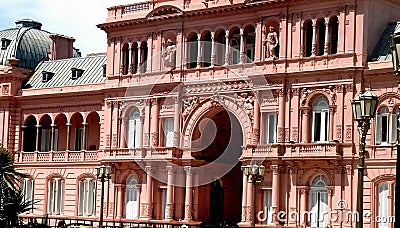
{"x":76,"y":18}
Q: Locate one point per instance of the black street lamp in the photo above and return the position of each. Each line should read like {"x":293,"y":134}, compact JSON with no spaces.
{"x":364,"y":109}
{"x":103,"y":174}
{"x":396,"y":68}
{"x":255,"y":174}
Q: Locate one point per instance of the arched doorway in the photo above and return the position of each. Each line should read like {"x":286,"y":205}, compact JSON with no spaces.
{"x":218,"y":138}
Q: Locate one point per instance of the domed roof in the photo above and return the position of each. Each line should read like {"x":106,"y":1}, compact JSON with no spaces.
{"x":27,"y":42}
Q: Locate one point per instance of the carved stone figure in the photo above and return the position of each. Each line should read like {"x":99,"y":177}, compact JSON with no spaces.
{"x":271,"y":42}
{"x":169,"y":55}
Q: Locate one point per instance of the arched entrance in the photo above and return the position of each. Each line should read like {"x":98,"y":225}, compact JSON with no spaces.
{"x":218,"y":138}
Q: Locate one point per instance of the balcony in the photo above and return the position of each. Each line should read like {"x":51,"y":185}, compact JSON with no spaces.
{"x":264,"y":151}
{"x":124,"y":153}
{"x":312,"y":150}
{"x":56,"y":156}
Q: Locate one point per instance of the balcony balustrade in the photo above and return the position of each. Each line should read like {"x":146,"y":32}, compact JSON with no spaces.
{"x":56,"y":156}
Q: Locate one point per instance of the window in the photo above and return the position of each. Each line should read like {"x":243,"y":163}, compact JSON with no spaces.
{"x":45,"y":141}
{"x":268,"y":212}
{"x":320,"y":120}
{"x":55,"y":196}
{"x":383,"y":204}
{"x":386,"y":126}
{"x":334,"y":34}
{"x":235,"y":48}
{"x":318,"y":202}
{"x":321,"y":36}
{"x":104,"y":70}
{"x":125,"y":59}
{"x":46,"y":76}
{"x":164,"y":202}
{"x":79,"y":139}
{"x":27,"y":188}
{"x":131,"y":211}
{"x":55,"y":140}
{"x":87,"y":196}
{"x":5,"y":43}
{"x":134,"y":128}
{"x":270,"y":127}
{"x":307,"y":38}
{"x":192,"y":48}
{"x":76,"y":73}
{"x":168,"y":127}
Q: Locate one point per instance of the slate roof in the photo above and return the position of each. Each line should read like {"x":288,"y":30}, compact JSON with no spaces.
{"x":92,"y":67}
{"x":28,"y":43}
{"x":382,"y":49}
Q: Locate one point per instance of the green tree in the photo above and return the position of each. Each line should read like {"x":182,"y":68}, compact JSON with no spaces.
{"x":12,"y":201}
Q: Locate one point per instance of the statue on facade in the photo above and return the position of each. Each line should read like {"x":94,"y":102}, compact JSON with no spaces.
{"x":169,"y":55}
{"x":271,"y":42}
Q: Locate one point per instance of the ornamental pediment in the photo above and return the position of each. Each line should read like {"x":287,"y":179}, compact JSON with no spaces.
{"x":162,"y":11}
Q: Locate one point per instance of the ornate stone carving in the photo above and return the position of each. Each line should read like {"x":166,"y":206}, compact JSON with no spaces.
{"x":256,"y":136}
{"x":281,"y":134}
{"x":154,"y":138}
{"x":188,"y":212}
{"x":196,"y":212}
{"x":349,"y":132}
{"x":339,"y":132}
{"x":247,"y":102}
{"x":287,"y":133}
{"x":146,"y":210}
{"x":169,"y":211}
{"x":176,"y":138}
{"x":5,"y":89}
{"x":146,"y":139}
{"x":304,"y":94}
{"x":190,"y":104}
{"x":295,"y":134}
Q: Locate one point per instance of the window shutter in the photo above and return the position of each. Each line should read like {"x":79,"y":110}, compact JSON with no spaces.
{"x":137,"y":133}
{"x":81,"y":197}
{"x":55,"y":142}
{"x":393,"y":129}
{"x":378,"y":130}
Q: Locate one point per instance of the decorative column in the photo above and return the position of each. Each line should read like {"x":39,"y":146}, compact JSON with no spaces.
{"x":130,"y":58}
{"x":147,"y":206}
{"x":177,"y":136}
{"x":68,"y":136}
{"x":257,"y":116}
{"x":84,"y":135}
{"x":119,"y":200}
{"x":330,"y":194}
{"x":303,"y":209}
{"x":242,"y":50}
{"x":331,"y":122}
{"x":52,"y":137}
{"x":244,"y":199}
{"x":169,"y":208}
{"x":327,"y":43}
{"x":23,"y":127}
{"x":188,"y":194}
{"x":281,"y":115}
{"x":185,"y":53}
{"x":141,"y":131}
{"x":154,"y":122}
{"x":196,"y":196}
{"x":227,"y":47}
{"x":199,"y":51}
{"x":146,"y":134}
{"x":258,"y":55}
{"x":212,"y":49}
{"x":249,"y":202}
{"x":124,"y":127}
{"x":275,"y":191}
{"x":139,"y":192}
{"x":305,"y":124}
{"x":314,"y":38}
{"x":37,"y":137}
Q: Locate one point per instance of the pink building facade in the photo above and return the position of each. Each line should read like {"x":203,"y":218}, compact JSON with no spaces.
{"x":190,"y":91}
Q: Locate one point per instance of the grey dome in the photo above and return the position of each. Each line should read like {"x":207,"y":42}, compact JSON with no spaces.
{"x":27,"y":42}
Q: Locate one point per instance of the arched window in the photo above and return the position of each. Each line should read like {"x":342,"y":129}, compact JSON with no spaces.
{"x":206,"y":42}
{"x":386,"y":126}
{"x":383,"y":204}
{"x":192,"y":51}
{"x":134,"y":129}
{"x":319,"y":202}
{"x":144,"y":53}
{"x":131,"y":211}
{"x":250,"y":35}
{"x":321,"y":27}
{"x":55,"y":196}
{"x":334,"y":34}
{"x":125,"y":59}
{"x":320,"y":119}
{"x":87,"y":197}
{"x":168,"y":128}
{"x":307,"y":38}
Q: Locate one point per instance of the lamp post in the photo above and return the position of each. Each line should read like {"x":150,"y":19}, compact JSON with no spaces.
{"x":103,"y":173}
{"x":255,"y":174}
{"x":396,"y":68}
{"x":364,"y":108}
